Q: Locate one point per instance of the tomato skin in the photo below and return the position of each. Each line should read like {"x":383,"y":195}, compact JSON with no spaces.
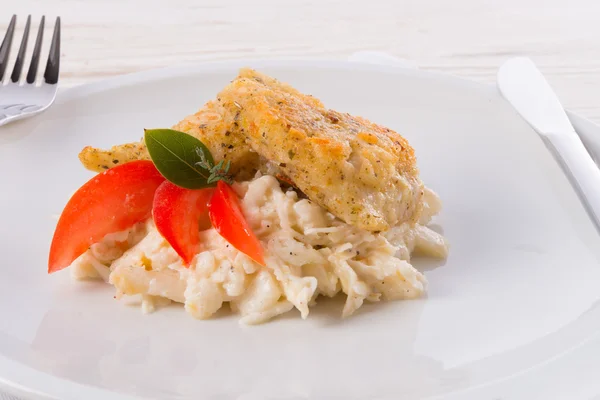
{"x":179,"y":215}
{"x":111,"y":201}
{"x":227,"y":218}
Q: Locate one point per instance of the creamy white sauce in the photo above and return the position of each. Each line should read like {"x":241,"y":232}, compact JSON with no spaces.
{"x":308,"y":253}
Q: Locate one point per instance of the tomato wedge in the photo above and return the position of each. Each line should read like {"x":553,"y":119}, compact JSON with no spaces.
{"x":109,"y":202}
{"x":179,"y":215}
{"x":227,"y":218}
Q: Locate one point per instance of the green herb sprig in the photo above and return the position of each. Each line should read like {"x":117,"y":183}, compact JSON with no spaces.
{"x":184,"y":160}
{"x":218,"y":172}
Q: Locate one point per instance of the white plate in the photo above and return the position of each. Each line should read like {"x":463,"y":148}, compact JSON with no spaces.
{"x":511,"y":314}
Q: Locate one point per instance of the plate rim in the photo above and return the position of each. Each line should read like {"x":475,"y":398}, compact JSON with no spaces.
{"x":23,"y":381}
{"x":179,"y":70}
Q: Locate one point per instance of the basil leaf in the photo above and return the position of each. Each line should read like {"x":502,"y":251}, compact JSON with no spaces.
{"x":176,"y":156}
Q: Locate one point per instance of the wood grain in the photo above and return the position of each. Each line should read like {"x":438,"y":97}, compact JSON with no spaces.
{"x":468,"y":38}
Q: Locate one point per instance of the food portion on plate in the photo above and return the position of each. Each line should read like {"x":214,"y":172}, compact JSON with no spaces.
{"x":263,"y":199}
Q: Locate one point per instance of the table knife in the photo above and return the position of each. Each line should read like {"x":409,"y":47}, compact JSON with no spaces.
{"x":524,"y":87}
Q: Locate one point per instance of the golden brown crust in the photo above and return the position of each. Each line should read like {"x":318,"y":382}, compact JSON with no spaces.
{"x":99,"y":160}
{"x":209,"y":125}
{"x":362,"y":172}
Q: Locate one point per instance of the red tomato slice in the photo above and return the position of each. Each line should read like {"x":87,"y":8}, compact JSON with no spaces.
{"x":227,"y":218}
{"x":109,"y":202}
{"x":179,"y":215}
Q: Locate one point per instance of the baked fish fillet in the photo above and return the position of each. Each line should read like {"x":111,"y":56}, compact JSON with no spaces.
{"x":210,"y":125}
{"x":363,"y":173}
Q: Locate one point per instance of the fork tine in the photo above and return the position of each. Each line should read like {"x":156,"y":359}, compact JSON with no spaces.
{"x":53,"y":64}
{"x":5,"y":47}
{"x":35,"y":58}
{"x":16,"y":74}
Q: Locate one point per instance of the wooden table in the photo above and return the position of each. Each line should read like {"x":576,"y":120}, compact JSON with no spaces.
{"x":469,"y":38}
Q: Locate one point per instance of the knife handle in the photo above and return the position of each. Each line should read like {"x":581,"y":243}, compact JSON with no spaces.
{"x":584,"y":173}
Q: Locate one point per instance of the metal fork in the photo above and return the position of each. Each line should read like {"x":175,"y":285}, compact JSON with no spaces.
{"x":22,"y":98}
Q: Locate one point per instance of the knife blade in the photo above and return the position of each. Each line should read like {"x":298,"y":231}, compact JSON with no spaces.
{"x":526,"y":89}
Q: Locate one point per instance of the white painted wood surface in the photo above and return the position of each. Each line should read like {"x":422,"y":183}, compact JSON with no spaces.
{"x":469,"y":38}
